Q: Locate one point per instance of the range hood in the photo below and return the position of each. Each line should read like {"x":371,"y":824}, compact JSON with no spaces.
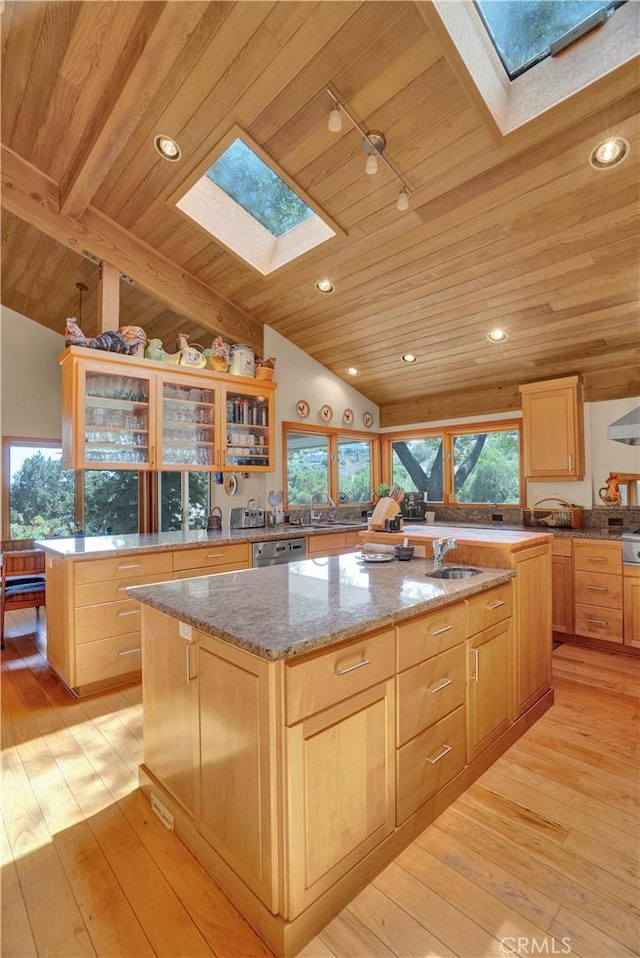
{"x":626,"y":429}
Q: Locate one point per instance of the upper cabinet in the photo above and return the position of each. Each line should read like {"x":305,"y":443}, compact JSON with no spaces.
{"x":553,"y":429}
{"x":125,"y":412}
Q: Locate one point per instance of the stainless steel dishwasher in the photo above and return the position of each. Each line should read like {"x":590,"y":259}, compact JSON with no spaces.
{"x":277,"y":551}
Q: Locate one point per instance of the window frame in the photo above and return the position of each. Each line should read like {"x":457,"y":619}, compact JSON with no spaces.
{"x":448,"y":434}
{"x":333,"y":435}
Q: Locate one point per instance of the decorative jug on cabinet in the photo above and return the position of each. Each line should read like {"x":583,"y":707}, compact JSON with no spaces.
{"x":610,"y":493}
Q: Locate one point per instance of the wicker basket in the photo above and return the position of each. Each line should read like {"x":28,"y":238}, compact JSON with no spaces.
{"x":562,"y":516}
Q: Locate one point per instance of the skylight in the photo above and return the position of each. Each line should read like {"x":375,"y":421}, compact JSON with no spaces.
{"x":253,"y":208}
{"x":525,"y":31}
{"x":251,"y":183}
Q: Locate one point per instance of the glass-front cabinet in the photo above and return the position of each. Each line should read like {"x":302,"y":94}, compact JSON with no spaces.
{"x":125,"y":412}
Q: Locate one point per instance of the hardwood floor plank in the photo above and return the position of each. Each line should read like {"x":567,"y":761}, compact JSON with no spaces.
{"x":16,"y":940}
{"x":571,"y":931}
{"x":346,"y":935}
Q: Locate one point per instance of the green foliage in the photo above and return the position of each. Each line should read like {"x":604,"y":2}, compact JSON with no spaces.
{"x":42,"y":500}
{"x":110,"y":502}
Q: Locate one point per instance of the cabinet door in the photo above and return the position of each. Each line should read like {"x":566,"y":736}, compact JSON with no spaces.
{"x":562,"y":593}
{"x":533,"y":634}
{"x":107,"y":416}
{"x":631,"y":606}
{"x":489,"y":700}
{"x":248,"y":428}
{"x":187,"y":417}
{"x":170,"y":702}
{"x":341,"y":791}
{"x":553,"y":429}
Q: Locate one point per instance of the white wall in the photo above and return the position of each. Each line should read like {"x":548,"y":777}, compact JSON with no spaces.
{"x":30,"y":397}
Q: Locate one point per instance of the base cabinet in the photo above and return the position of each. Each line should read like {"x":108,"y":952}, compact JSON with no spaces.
{"x":598,"y":590}
{"x":489,"y":705}
{"x":562,"y":585}
{"x":632,"y":606}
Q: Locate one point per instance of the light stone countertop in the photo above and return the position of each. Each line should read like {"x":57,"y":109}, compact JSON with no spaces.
{"x":281,"y":611}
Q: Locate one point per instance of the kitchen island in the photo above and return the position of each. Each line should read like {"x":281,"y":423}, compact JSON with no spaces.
{"x":303,"y":723}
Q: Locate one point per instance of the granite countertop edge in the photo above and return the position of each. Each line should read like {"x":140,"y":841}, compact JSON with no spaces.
{"x":155,"y":597}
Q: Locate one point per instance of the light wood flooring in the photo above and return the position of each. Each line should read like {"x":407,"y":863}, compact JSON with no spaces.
{"x":539,"y":856}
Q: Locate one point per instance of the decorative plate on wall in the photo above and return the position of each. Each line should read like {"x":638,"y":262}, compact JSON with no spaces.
{"x":326,"y":413}
{"x":230,"y":484}
{"x":367,"y":419}
{"x":347,"y":417}
{"x":302,"y":408}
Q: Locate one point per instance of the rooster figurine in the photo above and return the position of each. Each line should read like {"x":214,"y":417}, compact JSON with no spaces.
{"x":218,"y":356}
{"x":126,"y":340}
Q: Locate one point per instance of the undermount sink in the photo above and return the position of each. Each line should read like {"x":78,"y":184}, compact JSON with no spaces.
{"x":453,"y":572}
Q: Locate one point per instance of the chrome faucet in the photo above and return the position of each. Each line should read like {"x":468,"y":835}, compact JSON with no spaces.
{"x":315,"y":516}
{"x":440,"y":549}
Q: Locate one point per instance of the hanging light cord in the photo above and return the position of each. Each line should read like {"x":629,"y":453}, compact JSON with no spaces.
{"x":365,"y":136}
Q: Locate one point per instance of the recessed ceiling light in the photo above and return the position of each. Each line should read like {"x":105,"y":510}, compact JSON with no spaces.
{"x":324,"y":286}
{"x":497,"y":336}
{"x":352,"y":371}
{"x":167,"y":148}
{"x":609,"y":153}
{"x":409,"y":358}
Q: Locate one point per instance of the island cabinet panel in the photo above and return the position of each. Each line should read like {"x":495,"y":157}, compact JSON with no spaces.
{"x":315,"y":682}
{"x":532,"y":626}
{"x":429,"y":761}
{"x":631,"y":606}
{"x":237,"y":813}
{"x":489,"y":707}
{"x":170,"y":697}
{"x":425,"y":636}
{"x":553,"y":429}
{"x":340,"y":791}
{"x":211,"y":559}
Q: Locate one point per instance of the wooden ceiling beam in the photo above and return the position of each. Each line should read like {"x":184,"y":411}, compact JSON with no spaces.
{"x":33,"y":197}
{"x":172,"y":31}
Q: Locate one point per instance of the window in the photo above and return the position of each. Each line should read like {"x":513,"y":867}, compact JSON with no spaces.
{"x":39,"y":495}
{"x":251,"y":206}
{"x":523,"y":31}
{"x":111,"y":502}
{"x":461,"y":465}
{"x":323,"y":464}
{"x":184,"y":500}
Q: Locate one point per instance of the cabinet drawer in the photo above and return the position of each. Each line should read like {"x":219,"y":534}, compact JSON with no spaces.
{"x":107,"y":619}
{"x":426,"y":636}
{"x":599,"y":623}
{"x":212,"y":556}
{"x":429,"y":691}
{"x":108,"y":658}
{"x":593,"y":556}
{"x":561,"y":546}
{"x":103,"y":570}
{"x":315,"y":683}
{"x":329,"y":543}
{"x":94,"y":593}
{"x":429,"y":761}
{"x":595,"y":588}
{"x":490,"y":607}
{"x":211,"y":570}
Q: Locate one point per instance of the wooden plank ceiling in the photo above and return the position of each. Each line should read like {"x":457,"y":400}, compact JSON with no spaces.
{"x":517,"y":232}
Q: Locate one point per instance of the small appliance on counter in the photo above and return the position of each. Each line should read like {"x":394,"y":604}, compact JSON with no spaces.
{"x":246,"y":517}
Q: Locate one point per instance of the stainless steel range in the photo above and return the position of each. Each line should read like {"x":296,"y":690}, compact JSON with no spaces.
{"x":631,"y":547}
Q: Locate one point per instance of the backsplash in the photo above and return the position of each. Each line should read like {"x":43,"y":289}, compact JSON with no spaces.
{"x":626,"y":518}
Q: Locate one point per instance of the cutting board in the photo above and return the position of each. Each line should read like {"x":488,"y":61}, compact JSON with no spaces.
{"x":385,"y":508}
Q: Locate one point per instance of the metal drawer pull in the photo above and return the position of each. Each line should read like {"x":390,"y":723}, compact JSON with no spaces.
{"x":496,"y":605}
{"x":445,"y":751}
{"x":133,"y":565}
{"x":440,"y":687}
{"x":597,"y":621}
{"x":129,"y":651}
{"x":187,"y":662}
{"x":215,"y":555}
{"x":476,"y":670}
{"x":445,"y":628}
{"x":352,"y":668}
{"x":597,"y":558}
{"x":597,"y":588}
{"x":131,"y":612}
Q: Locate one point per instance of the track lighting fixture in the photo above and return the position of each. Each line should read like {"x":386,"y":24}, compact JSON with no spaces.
{"x":373,"y":144}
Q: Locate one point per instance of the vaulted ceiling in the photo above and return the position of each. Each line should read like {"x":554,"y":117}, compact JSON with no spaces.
{"x":515,"y":231}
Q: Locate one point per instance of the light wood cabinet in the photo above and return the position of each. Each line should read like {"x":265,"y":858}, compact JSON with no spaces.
{"x":532,"y":633}
{"x":341,"y":790}
{"x":170,"y":696}
{"x":210,"y":560}
{"x":553,"y":429}
{"x":429,"y":761}
{"x":332,"y":543}
{"x":124,"y":412}
{"x":562,"y":585}
{"x":632,"y":606}
{"x":598,"y":590}
{"x":489,"y":703}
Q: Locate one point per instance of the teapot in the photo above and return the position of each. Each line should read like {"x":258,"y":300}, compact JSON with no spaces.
{"x":610,"y":493}
{"x":214,"y":523}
